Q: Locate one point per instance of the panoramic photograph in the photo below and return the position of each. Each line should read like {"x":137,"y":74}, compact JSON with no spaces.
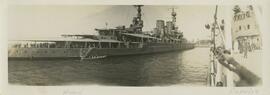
{"x":135,"y":45}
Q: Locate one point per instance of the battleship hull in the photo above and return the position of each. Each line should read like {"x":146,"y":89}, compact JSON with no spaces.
{"x":91,"y":53}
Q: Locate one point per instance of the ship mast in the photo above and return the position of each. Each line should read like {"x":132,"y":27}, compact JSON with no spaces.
{"x":173,"y":16}
{"x":139,"y":10}
{"x":137,"y":24}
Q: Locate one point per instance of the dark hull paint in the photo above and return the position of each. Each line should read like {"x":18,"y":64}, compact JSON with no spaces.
{"x":77,"y":53}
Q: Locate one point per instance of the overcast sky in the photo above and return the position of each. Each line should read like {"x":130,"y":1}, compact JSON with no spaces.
{"x":34,"y":21}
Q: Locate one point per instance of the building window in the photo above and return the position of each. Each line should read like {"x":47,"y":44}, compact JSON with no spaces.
{"x":239,"y":27}
{"x":248,"y":14}
{"x":235,"y":18}
{"x":239,"y":17}
{"x":248,"y":26}
{"x":244,"y":16}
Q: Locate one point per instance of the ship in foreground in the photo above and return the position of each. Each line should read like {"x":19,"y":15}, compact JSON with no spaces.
{"x":119,"y":41}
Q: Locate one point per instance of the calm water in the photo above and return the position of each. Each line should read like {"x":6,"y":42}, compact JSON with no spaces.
{"x":186,"y":68}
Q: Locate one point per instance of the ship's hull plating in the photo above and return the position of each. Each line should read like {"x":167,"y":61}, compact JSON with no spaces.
{"x":78,"y":53}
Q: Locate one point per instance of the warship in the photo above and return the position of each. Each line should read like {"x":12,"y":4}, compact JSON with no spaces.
{"x":117,"y":41}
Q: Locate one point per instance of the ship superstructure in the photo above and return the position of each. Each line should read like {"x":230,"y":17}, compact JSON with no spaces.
{"x":121,"y":40}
